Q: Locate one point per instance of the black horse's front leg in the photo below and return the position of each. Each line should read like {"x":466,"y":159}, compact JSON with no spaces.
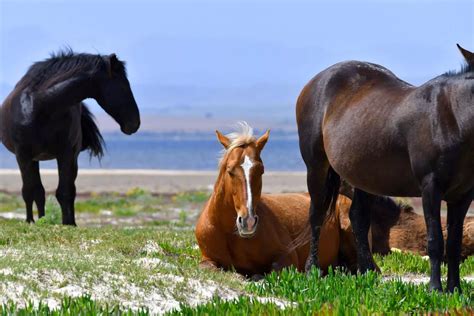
{"x":66,"y":192}
{"x":32,"y":189}
{"x":431,"y":198}
{"x":359,"y":215}
{"x":456,"y":213}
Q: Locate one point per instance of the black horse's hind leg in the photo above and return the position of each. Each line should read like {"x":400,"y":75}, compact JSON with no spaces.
{"x":39,"y":194}
{"x":66,"y":192}
{"x":431,"y":197}
{"x":32,"y":189}
{"x":316,"y":179}
{"x":359,"y":215}
{"x":456,"y":213}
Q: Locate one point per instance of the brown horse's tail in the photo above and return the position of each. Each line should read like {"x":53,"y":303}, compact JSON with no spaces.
{"x":91,"y":138}
{"x":333,"y":183}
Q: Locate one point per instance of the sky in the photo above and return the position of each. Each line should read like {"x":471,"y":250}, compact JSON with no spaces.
{"x":235,"y":58}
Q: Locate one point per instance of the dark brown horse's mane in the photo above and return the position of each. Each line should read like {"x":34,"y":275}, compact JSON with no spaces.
{"x":62,"y":65}
{"x":465,"y":68}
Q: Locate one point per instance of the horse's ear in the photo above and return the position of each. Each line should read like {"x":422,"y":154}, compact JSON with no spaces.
{"x":263,"y":140}
{"x":223,"y":140}
{"x":113,"y":59}
{"x":111,"y":62}
{"x":469,"y":56}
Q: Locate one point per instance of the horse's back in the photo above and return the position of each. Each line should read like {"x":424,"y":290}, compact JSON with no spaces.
{"x":292,"y":211}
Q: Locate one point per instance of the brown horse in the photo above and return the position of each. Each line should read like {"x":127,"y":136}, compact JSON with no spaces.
{"x":359,"y":122}
{"x":409,"y":234}
{"x":393,"y":225}
{"x":240,"y":228}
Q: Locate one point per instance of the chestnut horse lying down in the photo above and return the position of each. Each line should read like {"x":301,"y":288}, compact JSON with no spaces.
{"x":241,"y":229}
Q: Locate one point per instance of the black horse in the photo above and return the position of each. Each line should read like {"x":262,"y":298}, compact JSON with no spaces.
{"x":44,"y":118}
{"x":359,"y":122}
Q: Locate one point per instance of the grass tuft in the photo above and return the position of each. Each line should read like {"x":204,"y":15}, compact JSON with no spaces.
{"x":53,"y":215}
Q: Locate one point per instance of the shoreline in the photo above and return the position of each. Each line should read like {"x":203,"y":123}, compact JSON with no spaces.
{"x":153,"y":180}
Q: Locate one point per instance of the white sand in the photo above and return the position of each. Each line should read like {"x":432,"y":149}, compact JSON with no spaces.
{"x":156,"y":181}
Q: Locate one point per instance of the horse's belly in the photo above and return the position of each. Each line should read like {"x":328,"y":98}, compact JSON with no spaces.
{"x":371,"y":162}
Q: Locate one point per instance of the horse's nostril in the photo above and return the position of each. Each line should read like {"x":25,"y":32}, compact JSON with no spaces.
{"x":240,"y":219}
{"x":256,"y":219}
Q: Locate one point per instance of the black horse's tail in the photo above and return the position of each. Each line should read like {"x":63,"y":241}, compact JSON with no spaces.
{"x":92,"y":140}
{"x":333,"y":183}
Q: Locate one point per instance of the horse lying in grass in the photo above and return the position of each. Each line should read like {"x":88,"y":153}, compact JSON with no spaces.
{"x":393,"y":225}
{"x":229,"y":232}
{"x":241,"y":229}
{"x":44,"y":118}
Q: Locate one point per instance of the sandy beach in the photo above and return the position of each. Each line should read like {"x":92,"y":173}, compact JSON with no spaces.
{"x":155,"y":181}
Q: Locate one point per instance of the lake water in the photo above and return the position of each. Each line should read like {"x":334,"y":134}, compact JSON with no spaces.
{"x":160,"y":152}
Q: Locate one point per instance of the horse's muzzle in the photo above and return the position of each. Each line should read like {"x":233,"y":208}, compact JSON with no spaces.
{"x":247,"y":226}
{"x":129,"y":129}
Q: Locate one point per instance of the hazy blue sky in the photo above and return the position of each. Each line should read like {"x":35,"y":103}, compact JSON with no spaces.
{"x":192,"y":56}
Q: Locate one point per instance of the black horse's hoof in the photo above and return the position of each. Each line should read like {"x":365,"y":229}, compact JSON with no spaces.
{"x":256,"y":277}
{"x":436,"y":288}
{"x":312,"y":268}
{"x":70,"y":224}
{"x":310,"y":264}
{"x":30,"y":221}
{"x":454,"y":288}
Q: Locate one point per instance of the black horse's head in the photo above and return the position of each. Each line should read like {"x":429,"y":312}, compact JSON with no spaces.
{"x":115,"y":95}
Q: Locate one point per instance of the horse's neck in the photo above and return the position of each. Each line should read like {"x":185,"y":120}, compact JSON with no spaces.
{"x":70,"y":91}
{"x":221,"y":208}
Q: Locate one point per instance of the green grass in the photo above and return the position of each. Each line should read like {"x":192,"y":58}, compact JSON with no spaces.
{"x":135,"y":202}
{"x":53,"y":215}
{"x":9,"y":202}
{"x":194,"y":197}
{"x":132,"y":270}
{"x":69,"y":306}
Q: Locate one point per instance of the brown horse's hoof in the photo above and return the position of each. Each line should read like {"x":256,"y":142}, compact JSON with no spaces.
{"x":209,"y":265}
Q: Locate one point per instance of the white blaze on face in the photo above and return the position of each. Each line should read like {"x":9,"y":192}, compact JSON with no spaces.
{"x":247,"y":165}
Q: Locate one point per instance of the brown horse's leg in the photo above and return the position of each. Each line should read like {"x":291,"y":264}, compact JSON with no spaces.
{"x":66,"y":192}
{"x":286,"y":260}
{"x":30,"y":189}
{"x":456,"y":213}
{"x":208,"y":264}
{"x":359,"y":215}
{"x":431,"y":198}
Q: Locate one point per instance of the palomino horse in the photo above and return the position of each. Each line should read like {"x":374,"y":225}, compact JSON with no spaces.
{"x":242,"y":229}
{"x":43,"y":118}
{"x":359,"y":122}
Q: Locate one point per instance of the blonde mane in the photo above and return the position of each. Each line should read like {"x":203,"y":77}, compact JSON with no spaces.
{"x":244,"y":136}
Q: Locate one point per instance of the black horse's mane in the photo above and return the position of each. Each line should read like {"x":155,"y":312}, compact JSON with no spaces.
{"x":65,"y":64}
{"x":465,"y":68}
